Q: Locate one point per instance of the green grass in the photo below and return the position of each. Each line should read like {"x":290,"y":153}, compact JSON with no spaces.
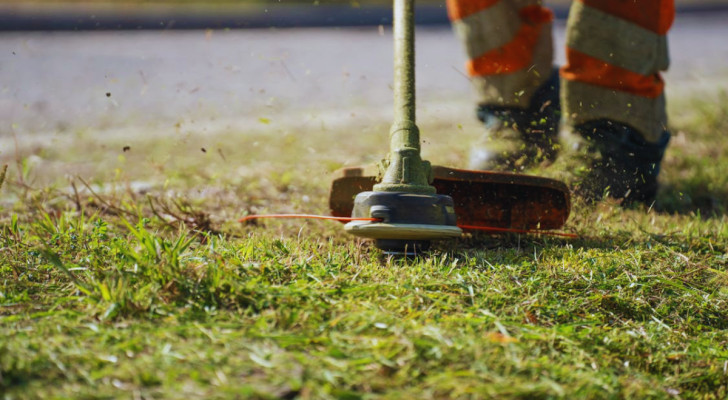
{"x":131,"y":279}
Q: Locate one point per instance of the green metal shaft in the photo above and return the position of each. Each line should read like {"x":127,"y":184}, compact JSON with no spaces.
{"x":406,"y":172}
{"x":404,"y":62}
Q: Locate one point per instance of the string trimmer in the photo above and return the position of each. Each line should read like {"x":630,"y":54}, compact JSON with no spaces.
{"x":414,"y":202}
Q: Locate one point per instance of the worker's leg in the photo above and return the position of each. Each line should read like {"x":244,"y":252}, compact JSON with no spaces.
{"x":509,"y":48}
{"x":508,"y":45}
{"x":613,"y":91}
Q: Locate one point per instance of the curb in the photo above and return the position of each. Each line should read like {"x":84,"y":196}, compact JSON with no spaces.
{"x":83,"y":18}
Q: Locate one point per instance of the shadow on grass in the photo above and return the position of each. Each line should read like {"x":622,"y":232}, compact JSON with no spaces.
{"x":527,"y":243}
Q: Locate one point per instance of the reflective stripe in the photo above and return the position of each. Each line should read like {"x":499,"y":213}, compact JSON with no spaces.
{"x":655,"y":15}
{"x":487,"y":29}
{"x":518,"y":53}
{"x":583,"y":102}
{"x":587,"y":69}
{"x":459,"y":9}
{"x":616,"y":41}
{"x":517,"y":88}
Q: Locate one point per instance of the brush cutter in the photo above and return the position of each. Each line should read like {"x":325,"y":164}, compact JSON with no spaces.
{"x":412,"y":202}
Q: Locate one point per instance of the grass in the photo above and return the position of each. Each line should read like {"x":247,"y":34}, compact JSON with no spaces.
{"x":123,"y":275}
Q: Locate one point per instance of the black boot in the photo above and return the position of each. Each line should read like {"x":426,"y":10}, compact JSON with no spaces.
{"x":623,"y":165}
{"x":517,"y":138}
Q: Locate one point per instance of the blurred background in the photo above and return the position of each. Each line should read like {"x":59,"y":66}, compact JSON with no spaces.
{"x":71,"y":70}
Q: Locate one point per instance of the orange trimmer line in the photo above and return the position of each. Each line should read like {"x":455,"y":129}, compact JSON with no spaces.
{"x":310,"y":216}
{"x":467,"y":227}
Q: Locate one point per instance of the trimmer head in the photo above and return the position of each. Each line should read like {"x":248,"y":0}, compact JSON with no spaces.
{"x":408,"y":221}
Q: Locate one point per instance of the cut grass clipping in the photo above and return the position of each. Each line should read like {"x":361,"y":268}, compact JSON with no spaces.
{"x":137,"y":284}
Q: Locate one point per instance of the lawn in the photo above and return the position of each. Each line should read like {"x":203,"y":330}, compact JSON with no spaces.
{"x":124,"y":274}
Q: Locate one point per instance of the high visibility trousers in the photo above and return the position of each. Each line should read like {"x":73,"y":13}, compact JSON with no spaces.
{"x":615,"y":50}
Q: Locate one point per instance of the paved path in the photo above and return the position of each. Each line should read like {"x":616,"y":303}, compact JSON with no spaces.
{"x":102,"y":82}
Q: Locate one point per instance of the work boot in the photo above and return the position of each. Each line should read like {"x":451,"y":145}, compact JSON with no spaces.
{"x":516,"y":138}
{"x":618,"y":162}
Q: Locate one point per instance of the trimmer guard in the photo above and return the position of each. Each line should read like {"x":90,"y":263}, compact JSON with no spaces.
{"x":482,"y":198}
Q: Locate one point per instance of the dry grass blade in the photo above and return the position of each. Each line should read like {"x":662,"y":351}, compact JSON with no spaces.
{"x":107,"y":205}
{"x":2,"y":175}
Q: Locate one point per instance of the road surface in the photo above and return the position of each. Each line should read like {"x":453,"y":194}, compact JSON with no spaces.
{"x":53,"y":84}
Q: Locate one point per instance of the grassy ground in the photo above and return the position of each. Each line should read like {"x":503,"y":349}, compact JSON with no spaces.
{"x":123,"y":275}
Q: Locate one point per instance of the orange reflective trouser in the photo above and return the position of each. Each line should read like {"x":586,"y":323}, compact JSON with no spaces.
{"x":615,"y":50}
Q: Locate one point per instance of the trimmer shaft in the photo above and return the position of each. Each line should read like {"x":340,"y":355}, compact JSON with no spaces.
{"x":411,"y":213}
